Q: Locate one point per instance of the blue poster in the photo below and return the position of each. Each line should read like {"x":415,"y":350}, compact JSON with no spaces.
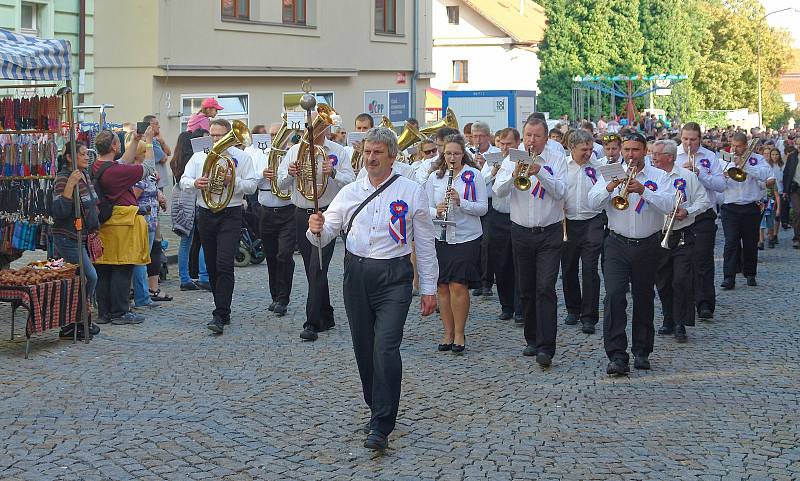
{"x":399,"y":107}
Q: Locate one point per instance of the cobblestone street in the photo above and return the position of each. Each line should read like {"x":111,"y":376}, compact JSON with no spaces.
{"x":166,"y":400}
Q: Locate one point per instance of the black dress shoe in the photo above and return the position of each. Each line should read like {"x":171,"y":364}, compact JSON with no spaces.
{"x":309,"y":334}
{"x":487,"y":291}
{"x":376,"y":441}
{"x":506,"y":315}
{"x":459,"y":348}
{"x":641,"y":362}
{"x":189,"y":286}
{"x":618,"y":367}
{"x":280,"y":309}
{"x":543,"y":359}
{"x":94,"y":329}
{"x":666,"y":331}
{"x":477,"y":292}
{"x":217,"y":326}
{"x":587,"y":327}
{"x":680,"y":334}
{"x":519,"y":319}
{"x":530,"y":350}
{"x":751,"y":281}
{"x":272,"y":306}
{"x":705,"y":313}
{"x":571,"y":319}
{"x":728,"y":284}
{"x":445,"y":347}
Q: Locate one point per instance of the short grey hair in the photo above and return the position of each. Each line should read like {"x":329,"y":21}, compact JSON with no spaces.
{"x":385,"y":136}
{"x":670,"y":147}
{"x":578,"y":137}
{"x":482,"y":126}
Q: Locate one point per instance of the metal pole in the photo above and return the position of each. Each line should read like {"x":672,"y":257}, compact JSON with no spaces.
{"x":758,"y":63}
{"x":308,"y":102}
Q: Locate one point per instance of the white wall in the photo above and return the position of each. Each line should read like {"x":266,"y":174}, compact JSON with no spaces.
{"x":489,"y":68}
{"x":470,"y":25}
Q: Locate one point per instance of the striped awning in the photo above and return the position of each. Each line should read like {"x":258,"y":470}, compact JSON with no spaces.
{"x":23,"y":57}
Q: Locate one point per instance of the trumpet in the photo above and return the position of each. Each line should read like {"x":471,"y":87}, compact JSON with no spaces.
{"x":620,"y":202}
{"x":669,"y":220}
{"x":737,"y":172}
{"x":522,"y":179}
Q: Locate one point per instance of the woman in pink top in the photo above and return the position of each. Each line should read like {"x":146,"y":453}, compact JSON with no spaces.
{"x":202,"y":119}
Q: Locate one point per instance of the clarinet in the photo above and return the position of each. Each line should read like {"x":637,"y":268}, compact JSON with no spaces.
{"x":448,"y":203}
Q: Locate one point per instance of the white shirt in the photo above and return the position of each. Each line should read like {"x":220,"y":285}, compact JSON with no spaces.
{"x":341,"y":164}
{"x":709,"y":171}
{"x":777,"y":174}
{"x":490,"y":150}
{"x":656,"y":203}
{"x":246,"y":178}
{"x":423,"y":170}
{"x":371,"y":233}
{"x":749,"y":191}
{"x":473,"y":203}
{"x":554,"y":145}
{"x":695,"y":197}
{"x":580,"y":180}
{"x":399,"y":167}
{"x":500,"y":203}
{"x":534,"y":207}
{"x":265,"y":195}
{"x":597,"y":150}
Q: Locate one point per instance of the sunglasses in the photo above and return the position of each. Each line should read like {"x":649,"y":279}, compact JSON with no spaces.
{"x":429,"y":152}
{"x":636,"y":138}
{"x":611,"y":138}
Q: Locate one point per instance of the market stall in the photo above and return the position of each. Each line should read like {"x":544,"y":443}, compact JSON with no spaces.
{"x":31,"y":116}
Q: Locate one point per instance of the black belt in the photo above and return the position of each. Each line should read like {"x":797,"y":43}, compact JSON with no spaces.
{"x":312,"y":211}
{"x":708,"y":214}
{"x":579,"y":221}
{"x":539,"y":230}
{"x":369,"y":260}
{"x":635,"y":242}
{"x":276,"y":209}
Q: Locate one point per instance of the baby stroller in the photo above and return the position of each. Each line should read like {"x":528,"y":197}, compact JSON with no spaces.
{"x":251,"y":250}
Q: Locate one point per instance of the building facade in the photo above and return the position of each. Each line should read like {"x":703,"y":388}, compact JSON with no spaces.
{"x":71,"y":20}
{"x":486,"y":44}
{"x":252,"y":55}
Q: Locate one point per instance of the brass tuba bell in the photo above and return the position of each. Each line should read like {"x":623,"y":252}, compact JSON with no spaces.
{"x":276,"y":154}
{"x":449,"y":120}
{"x":219,"y":164}
{"x":305,"y":178}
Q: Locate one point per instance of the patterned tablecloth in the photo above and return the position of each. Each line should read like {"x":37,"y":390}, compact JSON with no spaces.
{"x":49,"y":305}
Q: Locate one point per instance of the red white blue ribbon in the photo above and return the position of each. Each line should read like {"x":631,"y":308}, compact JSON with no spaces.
{"x":648,"y":185}
{"x":753,"y":161}
{"x":397,"y":224}
{"x":590,"y":172}
{"x":334,"y":159}
{"x":468,"y":177}
{"x":705,"y":163}
{"x":680,"y":184}
{"x":538,"y":190}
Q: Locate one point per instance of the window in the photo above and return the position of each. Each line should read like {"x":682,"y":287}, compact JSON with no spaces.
{"x":385,"y":16}
{"x":236,"y":9}
{"x":294,"y":12}
{"x":459,"y":71}
{"x":452,"y":15}
{"x":29,"y":23}
{"x":235,"y":107}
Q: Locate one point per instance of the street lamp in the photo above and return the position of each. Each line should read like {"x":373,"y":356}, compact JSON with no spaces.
{"x":758,"y":57}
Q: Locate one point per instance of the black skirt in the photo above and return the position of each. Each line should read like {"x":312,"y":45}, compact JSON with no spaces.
{"x":460,"y":263}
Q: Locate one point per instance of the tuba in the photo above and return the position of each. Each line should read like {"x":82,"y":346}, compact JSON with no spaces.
{"x":449,"y":120}
{"x":737,"y":172}
{"x":219,"y":164}
{"x":276,"y":154}
{"x":304,"y":167}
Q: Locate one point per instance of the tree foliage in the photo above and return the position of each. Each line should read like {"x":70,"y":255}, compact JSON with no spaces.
{"x":715,"y":42}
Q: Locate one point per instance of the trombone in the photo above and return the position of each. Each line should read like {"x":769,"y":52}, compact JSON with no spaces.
{"x":620,"y":202}
{"x":737,"y":172}
{"x":669,"y":220}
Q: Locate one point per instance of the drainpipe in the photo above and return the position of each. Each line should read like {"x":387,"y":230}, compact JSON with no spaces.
{"x":82,"y":50}
{"x":415,"y":73}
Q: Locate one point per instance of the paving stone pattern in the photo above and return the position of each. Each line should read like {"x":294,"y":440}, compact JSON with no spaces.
{"x":166,"y":400}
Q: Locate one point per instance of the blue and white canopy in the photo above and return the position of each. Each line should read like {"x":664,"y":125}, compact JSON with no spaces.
{"x":23,"y":57}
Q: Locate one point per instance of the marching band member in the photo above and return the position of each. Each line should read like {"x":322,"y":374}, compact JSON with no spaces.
{"x":428,"y":165}
{"x":402,"y":168}
{"x":426,"y":150}
{"x":498,"y":229}
{"x":585,"y":233}
{"x":377,"y":271}
{"x":612,"y":146}
{"x":536,"y":236}
{"x":319,"y":312}
{"x":675,"y":276}
{"x":597,"y":148}
{"x":704,"y":229}
{"x":456,"y":192}
{"x":741,"y":215}
{"x":481,"y":139}
{"x":363,"y":123}
{"x":220,"y":231}
{"x":631,"y":250}
{"x":277,"y":230}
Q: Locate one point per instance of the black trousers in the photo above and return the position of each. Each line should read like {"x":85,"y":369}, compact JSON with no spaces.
{"x":705,"y":237}
{"x":675,"y":279}
{"x":487,"y":268}
{"x":279,"y":239}
{"x":740,"y":223}
{"x":500,"y":258}
{"x":219,"y":236}
{"x":113,"y":289}
{"x":377,"y":295}
{"x":538,"y":254}
{"x":629,"y":263}
{"x":584,"y":243}
{"x":319,"y":312}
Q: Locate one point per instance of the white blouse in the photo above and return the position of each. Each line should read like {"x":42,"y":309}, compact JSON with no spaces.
{"x":471,"y":188}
